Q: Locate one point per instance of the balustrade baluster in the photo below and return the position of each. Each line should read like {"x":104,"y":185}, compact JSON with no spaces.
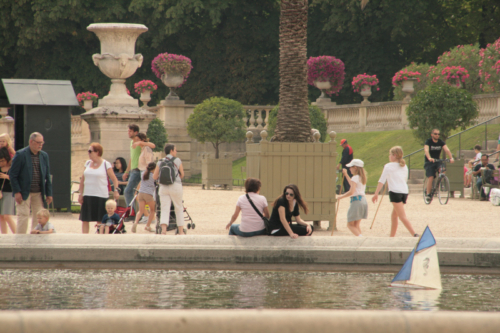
{"x":267,"y":118}
{"x":252,"y":120}
{"x":259,"y":119}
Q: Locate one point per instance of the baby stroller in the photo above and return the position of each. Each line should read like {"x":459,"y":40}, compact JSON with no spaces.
{"x":172,"y":222}
{"x":124,"y":212}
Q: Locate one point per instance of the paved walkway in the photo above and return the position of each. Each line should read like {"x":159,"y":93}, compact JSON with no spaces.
{"x":460,"y":218}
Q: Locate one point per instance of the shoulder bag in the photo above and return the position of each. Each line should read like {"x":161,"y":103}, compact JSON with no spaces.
{"x":265,"y":219}
{"x":1,"y":193}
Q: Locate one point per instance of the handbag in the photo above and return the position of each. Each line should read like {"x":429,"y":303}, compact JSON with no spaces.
{"x":1,"y":193}
{"x":107,"y":177}
{"x":265,"y":219}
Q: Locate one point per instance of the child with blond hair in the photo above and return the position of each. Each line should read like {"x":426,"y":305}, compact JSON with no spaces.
{"x":5,"y":141}
{"x":43,"y":226}
{"x":358,"y":209}
{"x":109,"y":219}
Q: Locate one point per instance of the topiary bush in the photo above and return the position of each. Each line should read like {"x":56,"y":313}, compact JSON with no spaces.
{"x":441,"y":106}
{"x":318,"y":121}
{"x":399,"y":95}
{"x":217,"y":120}
{"x":157,"y":134}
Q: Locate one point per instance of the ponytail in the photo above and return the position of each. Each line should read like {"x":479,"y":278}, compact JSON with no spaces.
{"x":151,"y":166}
{"x":397,"y":151}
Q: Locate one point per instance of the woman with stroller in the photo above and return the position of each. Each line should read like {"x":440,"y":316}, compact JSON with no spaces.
{"x":171,"y":193}
{"x":146,"y":196}
{"x":396,"y":175}
{"x":286,"y":206}
{"x":251,"y":222}
{"x":94,"y":184}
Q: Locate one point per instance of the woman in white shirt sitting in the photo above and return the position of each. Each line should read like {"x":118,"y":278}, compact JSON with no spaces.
{"x":358,"y":209}
{"x":251,"y":223}
{"x":396,"y":175}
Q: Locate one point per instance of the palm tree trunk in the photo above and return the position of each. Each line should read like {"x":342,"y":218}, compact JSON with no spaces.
{"x":293,"y":123}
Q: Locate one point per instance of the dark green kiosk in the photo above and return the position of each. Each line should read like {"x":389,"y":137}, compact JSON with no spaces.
{"x":45,"y":106}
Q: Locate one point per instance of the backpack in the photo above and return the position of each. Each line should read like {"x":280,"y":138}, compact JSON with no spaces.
{"x":168,"y":171}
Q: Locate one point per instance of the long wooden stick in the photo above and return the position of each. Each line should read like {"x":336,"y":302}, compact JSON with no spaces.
{"x":338,"y":201}
{"x":383,"y":192}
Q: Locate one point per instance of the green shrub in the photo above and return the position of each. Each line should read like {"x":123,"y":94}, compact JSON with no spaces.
{"x":157,"y":134}
{"x":318,"y":121}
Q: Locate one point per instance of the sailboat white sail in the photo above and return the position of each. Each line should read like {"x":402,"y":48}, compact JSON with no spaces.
{"x":421,"y":269}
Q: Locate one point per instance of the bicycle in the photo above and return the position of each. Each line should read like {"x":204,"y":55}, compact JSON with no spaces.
{"x":440,"y":186}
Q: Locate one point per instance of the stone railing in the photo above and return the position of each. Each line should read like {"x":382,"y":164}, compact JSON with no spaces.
{"x":79,"y":130}
{"x":257,"y":116}
{"x":390,"y":115}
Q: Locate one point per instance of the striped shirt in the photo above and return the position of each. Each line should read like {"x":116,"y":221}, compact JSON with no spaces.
{"x":36,"y":180}
{"x":147,"y":186}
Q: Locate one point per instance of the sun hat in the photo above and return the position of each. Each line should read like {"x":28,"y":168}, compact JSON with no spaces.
{"x":356,"y":162}
{"x":343,"y":141}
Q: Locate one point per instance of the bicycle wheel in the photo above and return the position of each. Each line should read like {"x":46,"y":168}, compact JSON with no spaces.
{"x":444,"y":190}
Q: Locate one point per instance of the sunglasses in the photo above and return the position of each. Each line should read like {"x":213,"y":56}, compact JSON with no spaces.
{"x":289,"y":194}
{"x":436,"y":134}
{"x":90,"y":151}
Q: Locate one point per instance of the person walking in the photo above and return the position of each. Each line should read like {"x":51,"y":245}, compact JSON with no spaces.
{"x":94,"y":187}
{"x":395,"y":173}
{"x":286,"y":206}
{"x":358,"y":209}
{"x":146,"y":196}
{"x":7,"y":202}
{"x":30,"y":181}
{"x":251,"y":222}
{"x":432,"y":148}
{"x":132,"y":174}
{"x":347,"y":156}
{"x":171,"y":193}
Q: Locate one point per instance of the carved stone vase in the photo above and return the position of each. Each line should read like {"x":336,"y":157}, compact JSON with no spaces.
{"x":145,"y":97}
{"x":172,"y":81}
{"x":408,"y":89}
{"x":323,"y":86}
{"x":366,"y":91}
{"x":117,"y":59}
{"x":87,"y":104}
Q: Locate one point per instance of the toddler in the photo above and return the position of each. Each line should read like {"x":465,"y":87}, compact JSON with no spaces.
{"x":43,"y":226}
{"x":109,"y":219}
{"x":6,"y":142}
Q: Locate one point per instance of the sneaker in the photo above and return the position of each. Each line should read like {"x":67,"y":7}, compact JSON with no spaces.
{"x":134,"y":228}
{"x":416,"y":235}
{"x":428,"y":198}
{"x":143,"y":220}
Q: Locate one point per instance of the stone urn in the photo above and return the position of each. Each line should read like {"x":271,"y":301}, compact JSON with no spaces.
{"x":172,"y":81}
{"x":323,"y":86}
{"x":117,"y":59}
{"x":456,"y":83}
{"x":87,"y":104}
{"x":366,"y":91}
{"x":407,"y":88}
{"x":145,"y":97}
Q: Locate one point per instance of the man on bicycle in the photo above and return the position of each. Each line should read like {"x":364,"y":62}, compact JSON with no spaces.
{"x":432,"y":148}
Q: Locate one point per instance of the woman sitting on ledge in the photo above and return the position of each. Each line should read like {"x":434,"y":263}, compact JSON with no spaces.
{"x":286,"y":206}
{"x":251,"y":223}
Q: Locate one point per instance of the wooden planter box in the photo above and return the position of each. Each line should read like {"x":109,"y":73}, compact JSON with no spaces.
{"x":310,"y":166}
{"x":216,"y":172}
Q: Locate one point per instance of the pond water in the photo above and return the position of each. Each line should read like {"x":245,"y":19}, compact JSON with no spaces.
{"x":163,"y":289}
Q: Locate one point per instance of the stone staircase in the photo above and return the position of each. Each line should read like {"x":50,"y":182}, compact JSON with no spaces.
{"x":416,"y":181}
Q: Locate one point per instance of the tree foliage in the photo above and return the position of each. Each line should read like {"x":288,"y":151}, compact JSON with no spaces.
{"x":317,"y":117}
{"x":441,"y":106}
{"x":157,"y":134}
{"x":217,"y":120}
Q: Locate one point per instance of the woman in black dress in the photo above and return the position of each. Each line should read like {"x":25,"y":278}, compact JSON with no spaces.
{"x":286,"y":206}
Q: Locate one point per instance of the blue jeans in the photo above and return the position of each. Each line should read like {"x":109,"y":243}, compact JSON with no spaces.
{"x":134,"y":178}
{"x":479,"y":185}
{"x":235,"y":231}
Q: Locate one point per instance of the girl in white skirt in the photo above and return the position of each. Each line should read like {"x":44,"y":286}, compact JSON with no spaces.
{"x":358,"y":209}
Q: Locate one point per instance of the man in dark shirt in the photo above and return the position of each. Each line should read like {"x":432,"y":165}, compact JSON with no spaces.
{"x":477,"y":172}
{"x":347,"y":156}
{"x":432,"y":149}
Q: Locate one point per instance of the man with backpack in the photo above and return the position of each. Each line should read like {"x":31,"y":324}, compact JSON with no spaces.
{"x":169,"y":172}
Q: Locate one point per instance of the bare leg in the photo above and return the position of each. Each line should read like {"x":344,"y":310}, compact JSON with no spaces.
{"x":101,"y":229}
{"x":394,"y":222}
{"x":400,"y":211}
{"x":358,"y":225}
{"x":180,"y":230}
{"x":151,"y":216}
{"x":3,"y":225}
{"x":352,"y":226}
{"x":10,"y":222}
{"x":85,"y":227}
{"x":429,"y":184}
{"x":106,"y":230}
{"x":163,"y":229}
{"x":498,"y":154}
{"x":142,"y":208}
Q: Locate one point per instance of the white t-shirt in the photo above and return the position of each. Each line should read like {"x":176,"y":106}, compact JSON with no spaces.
{"x":46,"y":227}
{"x":396,"y":176}
{"x":360,"y":188}
{"x":478,"y":156}
{"x":96,"y":180}
{"x":250,"y":220}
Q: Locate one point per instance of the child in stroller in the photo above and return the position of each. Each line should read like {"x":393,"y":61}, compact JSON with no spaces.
{"x":111,"y":222}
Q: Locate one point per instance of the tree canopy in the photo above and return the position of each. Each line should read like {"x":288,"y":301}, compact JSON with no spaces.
{"x":234,"y":44}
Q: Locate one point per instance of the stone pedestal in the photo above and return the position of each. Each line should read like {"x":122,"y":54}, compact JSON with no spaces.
{"x":109,"y":126}
{"x":6,"y":123}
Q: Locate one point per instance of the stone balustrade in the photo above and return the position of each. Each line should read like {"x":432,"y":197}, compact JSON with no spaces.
{"x":257,"y":116}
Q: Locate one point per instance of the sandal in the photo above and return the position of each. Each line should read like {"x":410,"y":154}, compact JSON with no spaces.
{"x":149,"y":229}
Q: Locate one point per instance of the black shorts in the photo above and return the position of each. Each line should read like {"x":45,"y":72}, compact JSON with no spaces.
{"x":431,"y":169}
{"x":398,"y":197}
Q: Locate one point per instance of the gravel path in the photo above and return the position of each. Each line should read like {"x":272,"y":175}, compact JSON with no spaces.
{"x":211,"y":211}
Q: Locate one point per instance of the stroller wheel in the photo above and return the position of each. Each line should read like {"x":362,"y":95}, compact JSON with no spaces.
{"x":193,"y":225}
{"x":189,"y":225}
{"x":177,"y":231}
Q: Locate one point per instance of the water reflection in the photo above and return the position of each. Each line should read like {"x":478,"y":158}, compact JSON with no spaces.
{"x":160,"y":289}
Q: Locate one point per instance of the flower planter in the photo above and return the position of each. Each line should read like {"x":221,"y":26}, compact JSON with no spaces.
{"x":323,"y":86}
{"x":87,"y":104}
{"x":408,"y":89}
{"x":366,"y":91}
{"x":216,"y":172}
{"x":172,"y":81}
{"x":145,"y":97}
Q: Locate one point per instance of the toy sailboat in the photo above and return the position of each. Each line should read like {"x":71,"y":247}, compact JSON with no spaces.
{"x":421,"y":269}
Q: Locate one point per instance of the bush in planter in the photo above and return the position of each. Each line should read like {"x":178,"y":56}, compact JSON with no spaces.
{"x":175,"y":64}
{"x":361,"y":79}
{"x":441,"y":106}
{"x":317,"y":117}
{"x":217,"y":120}
{"x":399,"y":95}
{"x":145,"y":85}
{"x":87,"y":96}
{"x":157,"y":134}
{"x":326,"y":68}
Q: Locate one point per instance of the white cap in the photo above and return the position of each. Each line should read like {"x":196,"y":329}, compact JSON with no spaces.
{"x":356,"y":162}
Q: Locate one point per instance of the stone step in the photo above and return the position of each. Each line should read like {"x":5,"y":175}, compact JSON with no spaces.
{"x":415,"y":188}
{"x":415,"y":181}
{"x":470,"y":154}
{"x":417,"y":173}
